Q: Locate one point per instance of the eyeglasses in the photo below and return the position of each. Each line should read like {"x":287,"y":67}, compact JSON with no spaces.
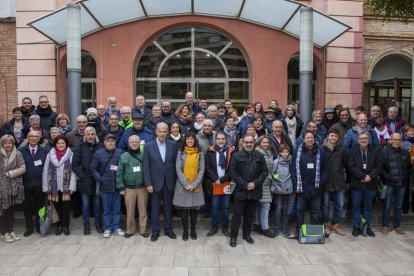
{"x":44,"y":102}
{"x":248,"y":142}
{"x":82,"y":122}
{"x":125,"y":113}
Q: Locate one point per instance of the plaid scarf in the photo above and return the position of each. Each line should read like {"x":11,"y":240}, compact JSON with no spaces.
{"x":299,"y":186}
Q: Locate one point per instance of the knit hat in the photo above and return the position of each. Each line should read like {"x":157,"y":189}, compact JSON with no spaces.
{"x":329,"y":110}
{"x":91,"y":110}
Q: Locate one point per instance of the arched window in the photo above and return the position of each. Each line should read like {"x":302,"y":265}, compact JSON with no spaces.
{"x":193,"y":59}
{"x":293,"y":81}
{"x":88,"y":82}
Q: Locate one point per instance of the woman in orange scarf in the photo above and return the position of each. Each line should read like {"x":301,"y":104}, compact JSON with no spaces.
{"x":188,"y":194}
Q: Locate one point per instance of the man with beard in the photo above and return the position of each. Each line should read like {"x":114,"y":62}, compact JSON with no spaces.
{"x":167,"y":114}
{"x":28,"y":109}
{"x":46,"y":114}
{"x":345,"y":123}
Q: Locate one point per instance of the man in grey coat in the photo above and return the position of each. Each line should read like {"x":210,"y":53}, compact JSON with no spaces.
{"x":159,"y":177}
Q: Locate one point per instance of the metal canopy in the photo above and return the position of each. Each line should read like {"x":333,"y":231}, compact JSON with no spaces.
{"x":283,"y":15}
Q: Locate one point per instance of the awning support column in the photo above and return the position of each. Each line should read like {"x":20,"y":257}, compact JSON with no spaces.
{"x":306,"y":62}
{"x":74,"y":60}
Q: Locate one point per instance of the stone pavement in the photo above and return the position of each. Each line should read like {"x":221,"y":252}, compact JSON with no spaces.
{"x":93,"y":255}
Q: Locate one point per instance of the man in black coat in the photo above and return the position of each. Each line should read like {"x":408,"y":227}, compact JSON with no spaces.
{"x":47,"y":115}
{"x":248,"y":170}
{"x":82,"y":158}
{"x":397,"y":170}
{"x":140,"y":108}
{"x":34,"y":157}
{"x":365,"y":166}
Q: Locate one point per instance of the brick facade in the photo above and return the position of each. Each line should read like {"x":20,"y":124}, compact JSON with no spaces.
{"x":8,"y":68}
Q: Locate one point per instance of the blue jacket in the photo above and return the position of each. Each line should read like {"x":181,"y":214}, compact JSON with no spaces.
{"x":118,"y":134}
{"x":106,"y":174}
{"x":351,"y":139}
{"x":308,"y":175}
{"x":243,"y":125}
{"x":144,"y":134}
{"x":33,"y":175}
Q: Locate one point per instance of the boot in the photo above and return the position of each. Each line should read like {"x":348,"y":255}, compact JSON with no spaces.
{"x":327,"y":230}
{"x":337,"y":229}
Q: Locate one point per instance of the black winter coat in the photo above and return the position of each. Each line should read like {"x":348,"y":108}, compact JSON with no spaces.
{"x":397,"y":166}
{"x":358,"y":173}
{"x":336,"y":159}
{"x":248,"y":167}
{"x":275,"y":144}
{"x":33,"y":175}
{"x":82,"y":158}
{"x":211,"y":174}
{"x":47,"y":117}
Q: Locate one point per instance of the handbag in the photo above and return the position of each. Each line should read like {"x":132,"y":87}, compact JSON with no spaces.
{"x":52,"y":211}
{"x":281,"y":183}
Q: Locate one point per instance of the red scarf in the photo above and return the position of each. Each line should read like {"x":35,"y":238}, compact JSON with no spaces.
{"x":60,"y":154}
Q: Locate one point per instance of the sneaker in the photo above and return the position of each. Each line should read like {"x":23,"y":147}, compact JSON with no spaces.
{"x":385,"y":230}
{"x":119,"y":232}
{"x":107,"y":233}
{"x":337,"y":229}
{"x":276,"y":232}
{"x":285,"y":232}
{"x":269,"y":233}
{"x":398,"y":231}
{"x":7,"y":238}
{"x":14,"y":236}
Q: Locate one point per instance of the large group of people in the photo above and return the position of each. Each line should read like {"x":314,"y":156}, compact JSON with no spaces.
{"x":199,"y":159}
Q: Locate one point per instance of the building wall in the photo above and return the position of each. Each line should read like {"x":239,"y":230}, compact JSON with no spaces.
{"x":8,"y":70}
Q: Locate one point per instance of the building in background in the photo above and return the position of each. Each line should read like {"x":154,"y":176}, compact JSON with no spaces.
{"x":216,"y":57}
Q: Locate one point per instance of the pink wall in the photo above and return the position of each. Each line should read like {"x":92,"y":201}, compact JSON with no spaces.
{"x":267,"y":52}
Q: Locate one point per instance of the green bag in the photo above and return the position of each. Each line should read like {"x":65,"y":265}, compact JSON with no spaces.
{"x":312,"y":234}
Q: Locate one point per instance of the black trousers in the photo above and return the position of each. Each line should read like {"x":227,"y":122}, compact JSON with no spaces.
{"x":7,"y":220}
{"x":63,"y":210}
{"x":76,"y":201}
{"x":247,"y":210}
{"x":193,"y":219}
{"x":33,"y":202}
{"x":406,"y":202}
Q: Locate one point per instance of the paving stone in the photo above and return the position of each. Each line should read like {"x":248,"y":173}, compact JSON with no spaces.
{"x":300,"y":270}
{"x":395,"y":268}
{"x":18,"y":260}
{"x":105,"y":261}
{"x":62,"y":271}
{"x":153,"y":261}
{"x":99,"y":250}
{"x":220,"y":271}
{"x":132,"y":271}
{"x":196,"y":261}
{"x":59,"y":261}
{"x":240,"y":260}
{"x":157,"y":271}
{"x":262,"y":271}
{"x":282,"y":259}
{"x":354,"y":269}
{"x":327,"y":257}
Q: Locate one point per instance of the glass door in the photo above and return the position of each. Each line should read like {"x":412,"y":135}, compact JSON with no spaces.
{"x":88,"y":94}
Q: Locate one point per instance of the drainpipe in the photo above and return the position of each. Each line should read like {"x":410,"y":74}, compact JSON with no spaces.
{"x":306,"y":62}
{"x":74,"y":60}
{"x":412,"y":90}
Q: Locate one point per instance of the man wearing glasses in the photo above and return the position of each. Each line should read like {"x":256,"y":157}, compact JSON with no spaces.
{"x":46,"y":114}
{"x":248,"y":170}
{"x":126,"y":120}
{"x":76,"y":135}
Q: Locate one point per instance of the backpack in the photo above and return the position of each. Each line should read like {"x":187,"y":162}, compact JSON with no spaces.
{"x":281,"y":183}
{"x":311,"y":234}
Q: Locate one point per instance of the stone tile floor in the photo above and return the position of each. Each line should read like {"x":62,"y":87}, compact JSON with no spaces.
{"x":93,"y":255}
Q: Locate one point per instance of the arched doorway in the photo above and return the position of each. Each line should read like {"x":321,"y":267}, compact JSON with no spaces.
{"x":390,"y":84}
{"x":193,"y":59}
{"x":293,"y":81}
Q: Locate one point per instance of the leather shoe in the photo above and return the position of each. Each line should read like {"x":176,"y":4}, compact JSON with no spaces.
{"x":154,"y":236}
{"x":226,"y":232}
{"x":99,"y":229}
{"x":248,"y":239}
{"x":370,"y":233}
{"x":171,"y":235}
{"x":233,"y":242}
{"x":66,"y":231}
{"x":145,"y":235}
{"x":87,"y":230}
{"x":59,"y":231}
{"x":185,"y":236}
{"x":212,"y":232}
{"x":128,"y":235}
{"x":193,"y":235}
{"x":269,"y":233}
{"x":355,"y":232}
{"x":28,"y":232}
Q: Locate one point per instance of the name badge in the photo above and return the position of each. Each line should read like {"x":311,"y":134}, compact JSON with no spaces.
{"x":38,"y":163}
{"x":18,"y":135}
{"x":113,"y":168}
{"x":136,"y":169}
{"x":364,"y":166}
{"x":142,"y":142}
{"x":310,"y":166}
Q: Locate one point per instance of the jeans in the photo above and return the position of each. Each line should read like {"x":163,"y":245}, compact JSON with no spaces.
{"x":338,"y":200}
{"x":315,"y":209}
{"x":396,"y":193}
{"x":220,"y":203}
{"x":86,"y":200}
{"x":281,"y":213}
{"x":111,"y":210}
{"x":362,"y":195}
{"x":262,"y":215}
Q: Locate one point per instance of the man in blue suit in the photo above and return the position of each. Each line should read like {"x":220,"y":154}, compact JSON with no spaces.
{"x":159,"y":177}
